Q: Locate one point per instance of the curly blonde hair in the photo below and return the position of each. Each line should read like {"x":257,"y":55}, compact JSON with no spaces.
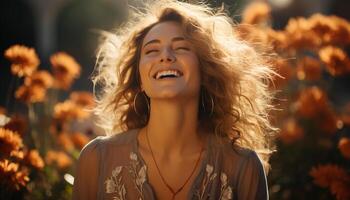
{"x":234,"y":77}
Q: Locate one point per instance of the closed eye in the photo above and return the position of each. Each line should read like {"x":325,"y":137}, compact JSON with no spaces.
{"x":151,"y":51}
{"x":182,"y":48}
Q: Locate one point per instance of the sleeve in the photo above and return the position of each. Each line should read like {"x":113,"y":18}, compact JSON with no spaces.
{"x":86,"y":174}
{"x":252,"y":183}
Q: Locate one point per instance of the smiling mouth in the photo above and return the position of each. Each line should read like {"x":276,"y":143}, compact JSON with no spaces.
{"x":167,"y":74}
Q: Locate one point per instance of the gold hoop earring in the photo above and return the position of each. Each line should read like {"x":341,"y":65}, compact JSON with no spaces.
{"x":134,"y":103}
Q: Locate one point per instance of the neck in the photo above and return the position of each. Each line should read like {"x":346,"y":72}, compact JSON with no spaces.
{"x":173,"y":127}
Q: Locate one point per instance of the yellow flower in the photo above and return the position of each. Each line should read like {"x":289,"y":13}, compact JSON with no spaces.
{"x":24,"y":60}
{"x":65,"y":69}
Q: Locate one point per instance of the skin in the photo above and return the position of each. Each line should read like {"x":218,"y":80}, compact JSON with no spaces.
{"x":173,"y":130}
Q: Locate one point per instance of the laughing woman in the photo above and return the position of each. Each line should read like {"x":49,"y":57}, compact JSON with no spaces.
{"x":189,"y":102}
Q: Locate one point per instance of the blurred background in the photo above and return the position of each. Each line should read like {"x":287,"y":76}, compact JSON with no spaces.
{"x":311,"y":38}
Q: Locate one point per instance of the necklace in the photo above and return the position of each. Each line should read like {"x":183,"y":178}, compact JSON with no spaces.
{"x":173,"y":192}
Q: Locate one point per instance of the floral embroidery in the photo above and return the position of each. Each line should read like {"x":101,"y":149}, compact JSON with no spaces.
{"x":114,"y":183}
{"x":226,"y":190}
{"x":138,"y":173}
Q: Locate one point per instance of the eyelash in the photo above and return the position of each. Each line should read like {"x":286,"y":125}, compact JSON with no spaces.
{"x":179,"y":48}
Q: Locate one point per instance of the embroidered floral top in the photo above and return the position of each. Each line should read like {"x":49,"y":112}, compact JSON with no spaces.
{"x":111,"y":167}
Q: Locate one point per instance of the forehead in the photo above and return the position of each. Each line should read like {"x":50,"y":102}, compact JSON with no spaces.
{"x":164,"y":31}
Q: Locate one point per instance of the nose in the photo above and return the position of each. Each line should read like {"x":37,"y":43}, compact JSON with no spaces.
{"x":167,"y":56}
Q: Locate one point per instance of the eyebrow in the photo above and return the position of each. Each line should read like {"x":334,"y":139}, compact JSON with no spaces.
{"x":158,"y":41}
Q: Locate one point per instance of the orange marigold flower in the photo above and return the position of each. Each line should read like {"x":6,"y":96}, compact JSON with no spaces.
{"x":59,"y":158}
{"x":24,"y":60}
{"x":18,"y":154}
{"x":336,"y":60}
{"x":325,"y":175}
{"x":299,"y":34}
{"x":285,"y":70}
{"x":65,"y":141}
{"x":65,"y":69}
{"x":80,"y":140}
{"x":34,"y":159}
{"x":341,"y":189}
{"x":332,"y":29}
{"x":308,"y":68}
{"x":9,"y":141}
{"x":30,"y":94}
{"x":327,"y":120}
{"x":291,"y":131}
{"x":11,"y":177}
{"x":84,"y":99}
{"x":344,"y":147}
{"x":68,"y":110}
{"x":256,"y":13}
{"x":40,"y":78}
{"x":18,"y":124}
{"x":311,"y":102}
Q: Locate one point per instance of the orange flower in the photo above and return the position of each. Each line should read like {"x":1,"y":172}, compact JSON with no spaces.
{"x":18,"y":124}
{"x":341,"y":190}
{"x":10,"y":174}
{"x":80,"y":140}
{"x":18,"y":154}
{"x":311,"y":102}
{"x":256,"y":13}
{"x":336,"y":60}
{"x":278,"y":39}
{"x":30,"y":94}
{"x":40,"y":78}
{"x":332,"y":29}
{"x":9,"y":141}
{"x":309,"y":68}
{"x":24,"y":60}
{"x":65,"y":70}
{"x":34,"y":159}
{"x":68,"y":110}
{"x":344,"y":147}
{"x":299,"y":34}
{"x":64,"y":140}
{"x":84,"y":99}
{"x":284,"y":69}
{"x":325,"y":175}
{"x":291,"y":131}
{"x":59,"y":158}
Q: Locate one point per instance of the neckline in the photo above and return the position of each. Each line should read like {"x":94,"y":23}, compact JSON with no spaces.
{"x":196,"y":180}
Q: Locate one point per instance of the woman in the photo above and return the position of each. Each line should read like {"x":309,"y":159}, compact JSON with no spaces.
{"x":191,"y":101}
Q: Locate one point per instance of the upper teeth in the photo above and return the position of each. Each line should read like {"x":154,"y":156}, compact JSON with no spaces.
{"x":167,"y":72}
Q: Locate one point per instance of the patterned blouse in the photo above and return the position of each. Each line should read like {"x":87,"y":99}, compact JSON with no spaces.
{"x":111,"y":167}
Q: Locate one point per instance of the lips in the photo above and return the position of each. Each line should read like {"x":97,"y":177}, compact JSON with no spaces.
{"x":169,"y":73}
